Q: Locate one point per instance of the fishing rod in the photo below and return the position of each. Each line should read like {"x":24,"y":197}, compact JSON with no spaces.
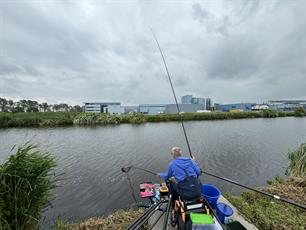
{"x":177,"y":106}
{"x":188,"y":145}
{"x":238,"y":184}
{"x":258,"y":191}
{"x":127,"y":169}
{"x":145,"y":216}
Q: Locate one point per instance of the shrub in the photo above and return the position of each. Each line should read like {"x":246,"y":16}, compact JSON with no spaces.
{"x":297,"y":164}
{"x":136,"y":118}
{"x":269,"y":113}
{"x":26,"y":181}
{"x":299,"y":112}
{"x":4,"y":119}
{"x":97,"y":118}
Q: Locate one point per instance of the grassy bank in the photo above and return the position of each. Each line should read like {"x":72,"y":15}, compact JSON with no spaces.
{"x":266,"y":213}
{"x":118,"y":220}
{"x":50,"y":119}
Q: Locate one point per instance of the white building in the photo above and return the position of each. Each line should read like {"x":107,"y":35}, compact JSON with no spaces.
{"x":152,"y":109}
{"x":104,"y":107}
{"x":259,"y":107}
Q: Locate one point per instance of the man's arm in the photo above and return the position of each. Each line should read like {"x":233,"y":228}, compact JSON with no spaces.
{"x":168,"y":174}
{"x":196,"y":167}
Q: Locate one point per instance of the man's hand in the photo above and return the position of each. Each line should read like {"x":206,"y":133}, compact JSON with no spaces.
{"x":172,"y":179}
{"x":193,"y":157}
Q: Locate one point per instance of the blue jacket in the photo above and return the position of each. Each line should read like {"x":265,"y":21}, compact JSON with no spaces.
{"x":177,"y":168}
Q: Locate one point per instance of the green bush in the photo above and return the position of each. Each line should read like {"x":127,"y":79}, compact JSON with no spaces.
{"x":97,"y":118}
{"x":297,"y":162}
{"x":269,"y":113}
{"x":26,"y":181}
{"x":136,"y":118}
{"x":4,"y":119}
{"x":299,"y":112}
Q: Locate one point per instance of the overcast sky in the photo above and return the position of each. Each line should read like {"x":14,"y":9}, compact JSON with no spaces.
{"x":76,"y":51}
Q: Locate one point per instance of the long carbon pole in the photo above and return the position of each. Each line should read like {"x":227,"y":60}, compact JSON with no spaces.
{"x":258,"y":191}
{"x":140,"y":221}
{"x":288,"y":201}
{"x":175,"y":98}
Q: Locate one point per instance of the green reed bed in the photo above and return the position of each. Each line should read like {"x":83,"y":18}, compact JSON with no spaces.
{"x":36,"y":119}
{"x":107,"y":119}
{"x":297,"y":162}
{"x":80,"y":118}
{"x":26,"y":181}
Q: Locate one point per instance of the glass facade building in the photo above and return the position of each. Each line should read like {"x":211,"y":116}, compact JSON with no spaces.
{"x":205,"y":102}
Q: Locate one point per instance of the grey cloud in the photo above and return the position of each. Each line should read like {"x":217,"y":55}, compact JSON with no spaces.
{"x":235,"y":58}
{"x":221,"y":24}
{"x":10,"y":68}
{"x":208,"y":20}
{"x":80,"y":51}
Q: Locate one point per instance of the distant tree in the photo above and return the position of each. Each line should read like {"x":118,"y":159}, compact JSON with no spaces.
{"x":32,"y":106}
{"x":3,"y":105}
{"x":63,"y":107}
{"x":11,"y":105}
{"x":55,"y":107}
{"x":77,"y":108}
{"x":23,"y":105}
{"x":45,"y":106}
{"x":17,"y":109}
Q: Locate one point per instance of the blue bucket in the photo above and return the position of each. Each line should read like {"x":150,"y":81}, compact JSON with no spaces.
{"x":224,"y":210}
{"x":211,"y":194}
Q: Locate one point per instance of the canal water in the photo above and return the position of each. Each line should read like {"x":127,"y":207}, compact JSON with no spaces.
{"x":250,"y":151}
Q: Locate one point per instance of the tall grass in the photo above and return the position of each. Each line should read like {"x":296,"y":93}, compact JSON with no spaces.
{"x":77,"y":118}
{"x":36,"y":119}
{"x":299,"y":112}
{"x":297,"y":165}
{"x":96,"y":118}
{"x":26,"y":181}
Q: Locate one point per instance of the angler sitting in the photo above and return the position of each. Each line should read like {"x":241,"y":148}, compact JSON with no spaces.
{"x":183,"y":173}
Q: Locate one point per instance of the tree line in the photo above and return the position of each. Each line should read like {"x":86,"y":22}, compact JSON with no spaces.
{"x":22,"y":106}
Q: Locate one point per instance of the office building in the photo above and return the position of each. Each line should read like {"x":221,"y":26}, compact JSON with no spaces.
{"x":243,"y":107}
{"x":187,"y":99}
{"x":286,"y":105}
{"x":206,"y":102}
{"x":184,"y":108}
{"x":151,"y":109}
{"x":104,"y":107}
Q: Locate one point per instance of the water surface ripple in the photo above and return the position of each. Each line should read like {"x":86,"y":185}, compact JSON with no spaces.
{"x":247,"y":150}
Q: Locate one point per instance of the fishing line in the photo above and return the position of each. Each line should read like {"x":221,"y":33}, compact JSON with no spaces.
{"x":130,"y":184}
{"x":169,"y":78}
{"x":127,"y":170}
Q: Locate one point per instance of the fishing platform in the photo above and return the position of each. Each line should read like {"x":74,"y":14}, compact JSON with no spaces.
{"x":210,"y":211}
{"x":235,"y":217}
